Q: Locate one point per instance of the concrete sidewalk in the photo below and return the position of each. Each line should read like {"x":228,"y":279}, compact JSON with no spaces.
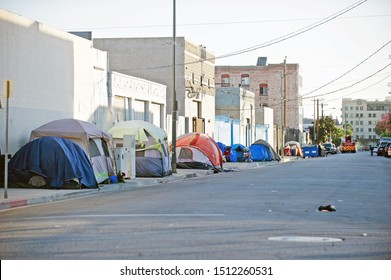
{"x":17,"y":197}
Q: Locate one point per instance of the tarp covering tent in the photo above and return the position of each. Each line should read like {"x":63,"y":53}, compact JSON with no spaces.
{"x":152,"y":154}
{"x":222,"y":147}
{"x":237,"y":153}
{"x":59,"y":162}
{"x":198,"y":150}
{"x":262,"y":151}
{"x":94,"y":141}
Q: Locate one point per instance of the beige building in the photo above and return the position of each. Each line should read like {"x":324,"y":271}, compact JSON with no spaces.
{"x":152,"y":59}
{"x":267,"y":82}
{"x":364,"y":115}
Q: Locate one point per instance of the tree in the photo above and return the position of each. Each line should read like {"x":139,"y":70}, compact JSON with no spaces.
{"x":328,"y":129}
{"x":383,"y":128}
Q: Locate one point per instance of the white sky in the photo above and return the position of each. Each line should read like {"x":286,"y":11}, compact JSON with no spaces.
{"x":324,"y":53}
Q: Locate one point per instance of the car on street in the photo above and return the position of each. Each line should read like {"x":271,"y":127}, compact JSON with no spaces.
{"x":387,"y":150}
{"x":330,"y":148}
{"x":381,"y":148}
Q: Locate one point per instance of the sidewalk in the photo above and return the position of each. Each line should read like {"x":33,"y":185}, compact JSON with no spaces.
{"x":17,"y":197}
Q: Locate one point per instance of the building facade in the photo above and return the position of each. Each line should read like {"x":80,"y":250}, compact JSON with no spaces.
{"x":152,"y":59}
{"x":237,"y":104}
{"x":363,"y":116}
{"x":268,"y":83}
{"x":133,"y":98}
{"x":55,"y":75}
{"x":59,"y":75}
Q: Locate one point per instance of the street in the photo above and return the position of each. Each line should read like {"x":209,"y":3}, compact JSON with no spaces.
{"x":267,"y":213}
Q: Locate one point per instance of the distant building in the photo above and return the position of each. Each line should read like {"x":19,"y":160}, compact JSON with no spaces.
{"x":267,"y":82}
{"x":236,"y":119}
{"x":364,"y":115}
{"x":152,"y":59}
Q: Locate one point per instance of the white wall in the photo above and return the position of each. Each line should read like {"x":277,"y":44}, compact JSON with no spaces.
{"x":52,"y":73}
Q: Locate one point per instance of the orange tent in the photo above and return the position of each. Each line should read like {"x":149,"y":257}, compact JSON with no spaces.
{"x":198,"y":150}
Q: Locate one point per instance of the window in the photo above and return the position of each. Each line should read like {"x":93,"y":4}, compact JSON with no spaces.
{"x":351,"y":108}
{"x":369,"y":115}
{"x":356,"y":108}
{"x":357,"y":115}
{"x":369,"y":122}
{"x":225,"y":82}
{"x":374,"y":115}
{"x":361,"y":108}
{"x":93,"y":148}
{"x":245,"y":80}
{"x":370,"y":129}
{"x":346,"y":108}
{"x":357,"y":123}
{"x":361,"y":115}
{"x":263,"y":90}
{"x":361,"y":122}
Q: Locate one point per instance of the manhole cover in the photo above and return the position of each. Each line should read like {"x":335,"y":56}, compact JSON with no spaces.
{"x":305,"y":239}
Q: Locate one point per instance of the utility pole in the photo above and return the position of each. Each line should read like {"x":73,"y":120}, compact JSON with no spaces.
{"x":8,"y":92}
{"x":314,"y":122}
{"x":317,"y":121}
{"x":285,"y":93}
{"x":174,"y":110}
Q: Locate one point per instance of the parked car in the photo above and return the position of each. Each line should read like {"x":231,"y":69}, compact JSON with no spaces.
{"x":387,"y":150}
{"x":330,"y":148}
{"x":380,"y":149}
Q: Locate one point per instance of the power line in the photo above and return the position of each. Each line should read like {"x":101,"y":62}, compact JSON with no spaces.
{"x":216,"y":23}
{"x":266,"y":44}
{"x":382,"y":47}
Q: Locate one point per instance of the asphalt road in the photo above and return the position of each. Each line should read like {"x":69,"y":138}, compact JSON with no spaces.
{"x":268,"y":213}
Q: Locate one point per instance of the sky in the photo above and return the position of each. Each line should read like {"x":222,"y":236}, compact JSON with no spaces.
{"x":343,"y":47}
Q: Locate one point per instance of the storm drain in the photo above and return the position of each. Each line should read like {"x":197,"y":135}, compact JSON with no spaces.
{"x":305,"y":239}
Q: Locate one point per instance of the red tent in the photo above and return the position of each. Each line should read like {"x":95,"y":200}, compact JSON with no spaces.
{"x":198,"y":150}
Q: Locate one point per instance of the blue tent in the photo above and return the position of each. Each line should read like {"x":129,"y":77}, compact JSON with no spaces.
{"x":237,"y":152}
{"x":222,"y":147}
{"x":59,"y":161}
{"x":262,"y":151}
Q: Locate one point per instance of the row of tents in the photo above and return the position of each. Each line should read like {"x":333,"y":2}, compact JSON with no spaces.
{"x":73,"y":153}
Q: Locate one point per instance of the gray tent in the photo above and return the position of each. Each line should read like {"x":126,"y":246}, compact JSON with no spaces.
{"x":94,"y":141}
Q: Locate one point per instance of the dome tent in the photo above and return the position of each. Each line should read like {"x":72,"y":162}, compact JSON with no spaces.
{"x":95,"y":142}
{"x":152,"y":155}
{"x":262,"y":151}
{"x":198,"y":150}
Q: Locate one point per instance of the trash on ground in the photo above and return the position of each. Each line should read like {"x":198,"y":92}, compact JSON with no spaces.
{"x":327,"y":208}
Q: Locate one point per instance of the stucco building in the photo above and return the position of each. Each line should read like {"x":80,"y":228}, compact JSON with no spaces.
{"x":59,"y":75}
{"x":152,"y":59}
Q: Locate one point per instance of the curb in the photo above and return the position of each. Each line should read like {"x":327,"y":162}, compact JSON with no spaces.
{"x":129,"y":184}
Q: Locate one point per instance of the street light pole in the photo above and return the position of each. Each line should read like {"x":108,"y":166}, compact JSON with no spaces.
{"x":174,"y":109}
